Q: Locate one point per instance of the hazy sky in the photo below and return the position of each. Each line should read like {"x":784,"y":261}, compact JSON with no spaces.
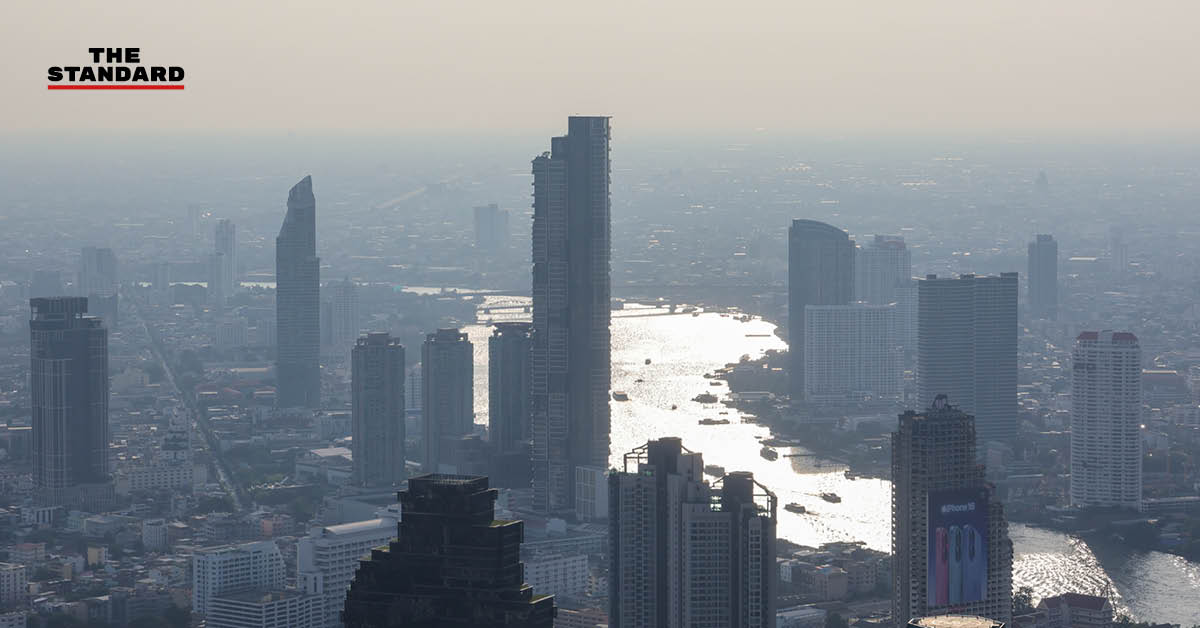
{"x":1076,"y":67}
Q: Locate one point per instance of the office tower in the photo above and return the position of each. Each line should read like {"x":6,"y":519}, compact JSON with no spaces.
{"x":447,"y":386}
{"x":46,"y":283}
{"x":508,"y":386}
{"x":69,"y":399}
{"x":1106,"y":413}
{"x":298,"y":302}
{"x":225,"y":245}
{"x":342,"y":310}
{"x":161,"y":284}
{"x":820,"y":272}
{"x":454,"y":564}
{"x":883,"y":275}
{"x":377,"y":428}
{"x":967,"y":349}
{"x":97,"y":272}
{"x":1043,"y":277}
{"x":950,"y":545}
{"x":327,"y":557}
{"x":571,"y":370}
{"x":234,"y":568}
{"x":217,"y":288}
{"x":491,"y":228}
{"x":264,"y":609}
{"x":851,"y":354}
{"x":683,"y":553}
{"x":1118,"y":250}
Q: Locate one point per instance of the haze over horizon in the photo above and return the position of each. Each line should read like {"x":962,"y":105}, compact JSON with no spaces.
{"x":1066,"y":69}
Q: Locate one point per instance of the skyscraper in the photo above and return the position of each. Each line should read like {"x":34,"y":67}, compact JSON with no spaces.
{"x":298,"y":302}
{"x":225,"y":245}
{"x":491,"y":228}
{"x":447,"y":388}
{"x":508,"y":386}
{"x":97,"y":272}
{"x":883,"y":275}
{"x":1106,"y":415}
{"x":217,"y":287}
{"x":1043,"y":277}
{"x":684,"y":553}
{"x":571,"y":370}
{"x":46,"y":283}
{"x":69,"y":403}
{"x":967,"y":349}
{"x":454,"y":564}
{"x":820,"y":272}
{"x":851,"y":354}
{"x":950,"y":545}
{"x":343,"y":314}
{"x":377,"y":402}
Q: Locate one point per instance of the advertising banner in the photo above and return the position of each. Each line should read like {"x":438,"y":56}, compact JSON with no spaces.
{"x":958,"y":546}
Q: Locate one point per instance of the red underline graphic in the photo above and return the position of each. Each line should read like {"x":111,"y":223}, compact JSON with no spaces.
{"x":114,"y":87}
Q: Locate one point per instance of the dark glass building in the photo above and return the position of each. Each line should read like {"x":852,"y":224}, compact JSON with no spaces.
{"x":69,"y":399}
{"x":447,"y":391}
{"x":509,"y":350}
{"x":298,"y":302}
{"x":820,"y":272}
{"x":1043,"y":277}
{"x":453,"y":565}
{"x":571,"y":311}
{"x":377,"y":402}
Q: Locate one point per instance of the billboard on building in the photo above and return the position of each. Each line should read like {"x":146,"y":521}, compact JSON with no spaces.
{"x":958,"y":546}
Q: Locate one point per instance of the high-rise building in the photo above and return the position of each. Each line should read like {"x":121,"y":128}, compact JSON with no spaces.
{"x":218,"y":289}
{"x":491,"y":228}
{"x":851,"y":354}
{"x":1106,"y":416}
{"x":264,"y":609}
{"x":46,"y":283}
{"x":684,"y":553}
{"x":377,"y":401}
{"x":967,"y":349}
{"x":509,"y":351}
{"x":298,"y":302}
{"x":820,"y":272}
{"x":508,"y":386}
{"x":69,"y":399}
{"x":97,"y":272}
{"x":447,"y":388}
{"x":343,"y":318}
{"x":1043,"y":277}
{"x":570,"y":365}
{"x":882,"y":276}
{"x":327,"y":557}
{"x":234,"y":568}
{"x":950,"y":545}
{"x":225,"y":245}
{"x":453,"y":564}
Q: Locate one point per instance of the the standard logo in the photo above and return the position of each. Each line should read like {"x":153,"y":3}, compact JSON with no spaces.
{"x":115,"y":68}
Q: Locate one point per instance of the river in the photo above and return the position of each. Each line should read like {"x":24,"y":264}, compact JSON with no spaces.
{"x":681,"y":347}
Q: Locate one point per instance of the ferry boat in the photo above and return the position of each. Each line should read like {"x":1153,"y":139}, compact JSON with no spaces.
{"x":768,"y":453}
{"x":796,"y":508}
{"x":620,"y":395}
{"x":832,"y":498}
{"x":714,"y":421}
{"x":705,"y":398}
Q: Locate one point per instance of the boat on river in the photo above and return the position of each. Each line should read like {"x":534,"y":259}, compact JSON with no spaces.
{"x":620,"y":395}
{"x":714,"y":421}
{"x":768,"y":453}
{"x":796,"y":508}
{"x":714,"y":470}
{"x":705,"y":398}
{"x":832,"y":498}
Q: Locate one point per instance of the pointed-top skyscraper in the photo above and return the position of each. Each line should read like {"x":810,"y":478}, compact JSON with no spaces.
{"x":298,"y":302}
{"x":571,"y":371}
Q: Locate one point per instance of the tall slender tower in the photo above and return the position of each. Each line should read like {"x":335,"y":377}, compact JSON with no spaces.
{"x":967,"y":349}
{"x":820,"y":272}
{"x":377,"y":380}
{"x":453,"y":564}
{"x":950,"y":547}
{"x":69,"y":399}
{"x":298,"y":302}
{"x":882,"y":276}
{"x":225,"y":245}
{"x":571,"y":370}
{"x":684,"y":553}
{"x":1043,"y":277}
{"x":447,"y":388}
{"x":508,"y":386}
{"x":1106,"y":413}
